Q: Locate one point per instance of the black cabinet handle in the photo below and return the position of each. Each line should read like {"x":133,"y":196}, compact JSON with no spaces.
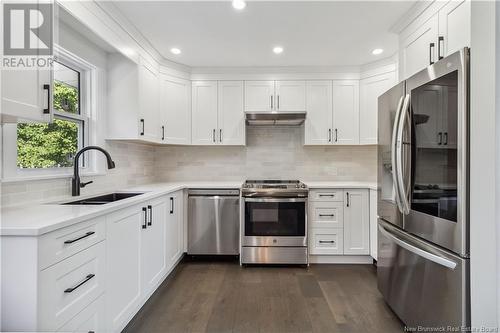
{"x":445,"y":138}
{"x":47,"y":109}
{"x":145,"y":214}
{"x":440,"y":41}
{"x":163,"y":133}
{"x":142,"y":123}
{"x":440,"y":138}
{"x":326,"y":215}
{"x":271,"y":102}
{"x":278,"y":102}
{"x":347,"y":195}
{"x":431,"y":58}
{"x":87,"y":278}
{"x":328,"y":242}
{"x":329,"y":135}
{"x":220,"y":135}
{"x":336,"y":135}
{"x":213,"y":136}
{"x":327,"y":195}
{"x":150,"y":209}
{"x":171,"y":205}
{"x":79,"y":238}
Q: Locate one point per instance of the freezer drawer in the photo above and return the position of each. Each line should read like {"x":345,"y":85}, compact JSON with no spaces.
{"x":424,"y":285}
{"x":213,"y":222}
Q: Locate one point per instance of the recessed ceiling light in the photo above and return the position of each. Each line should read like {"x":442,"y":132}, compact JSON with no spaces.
{"x":377,"y":51}
{"x":175,"y":50}
{"x":239,"y":4}
{"x":277,"y":49}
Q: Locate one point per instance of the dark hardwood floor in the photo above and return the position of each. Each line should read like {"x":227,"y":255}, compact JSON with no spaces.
{"x":224,"y":297}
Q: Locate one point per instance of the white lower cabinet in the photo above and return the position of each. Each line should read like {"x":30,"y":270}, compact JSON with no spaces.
{"x":123,"y":242}
{"x":339,"y":222}
{"x":71,"y":285}
{"x":93,"y":275}
{"x":326,"y":241}
{"x":153,"y":244}
{"x":175,"y":229}
{"x":90,"y":319}
{"x":356,"y":222}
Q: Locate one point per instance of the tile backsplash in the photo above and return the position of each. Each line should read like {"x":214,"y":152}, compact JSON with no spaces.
{"x":271,"y":152}
{"x":135,"y":164}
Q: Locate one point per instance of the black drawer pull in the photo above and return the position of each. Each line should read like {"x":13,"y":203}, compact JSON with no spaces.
{"x":70,"y":290}
{"x":47,"y":87}
{"x":328,"y":242}
{"x":142,"y":129}
{"x":326,"y":215}
{"x":81,"y":237}
{"x":327,"y":195}
{"x":150,"y":208}
{"x":145,"y":215}
{"x":171,"y":205}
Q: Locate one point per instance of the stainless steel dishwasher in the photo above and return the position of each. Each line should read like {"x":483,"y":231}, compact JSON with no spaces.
{"x":213,"y":222}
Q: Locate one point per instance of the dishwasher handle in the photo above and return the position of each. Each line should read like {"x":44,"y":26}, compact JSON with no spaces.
{"x":213,"y":192}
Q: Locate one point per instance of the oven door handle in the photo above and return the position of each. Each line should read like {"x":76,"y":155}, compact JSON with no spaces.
{"x":275,"y":199}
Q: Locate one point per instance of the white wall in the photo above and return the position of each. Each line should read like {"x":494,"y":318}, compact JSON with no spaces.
{"x":484,"y":248}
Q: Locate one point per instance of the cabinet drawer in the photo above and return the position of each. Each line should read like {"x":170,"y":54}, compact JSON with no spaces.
{"x":90,"y":319}
{"x":69,"y":286}
{"x":60,"y":244}
{"x":326,"y":214}
{"x":326,"y":195}
{"x":326,"y":241}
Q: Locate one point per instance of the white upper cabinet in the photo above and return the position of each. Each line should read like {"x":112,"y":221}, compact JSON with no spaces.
{"x":318,"y":124}
{"x":231,"y":116}
{"x":267,"y":96}
{"x":149,"y":101}
{"x":259,"y":96}
{"x":290,"y":96}
{"x":133,"y":100}
{"x":370,"y":89}
{"x":204,"y":112}
{"x":356,"y":222}
{"x":217,"y":113}
{"x":419,"y":47}
{"x":175,"y":110}
{"x":446,"y":29}
{"x":454,"y":27}
{"x":26,"y":95}
{"x":332,"y":113}
{"x":345,"y":130}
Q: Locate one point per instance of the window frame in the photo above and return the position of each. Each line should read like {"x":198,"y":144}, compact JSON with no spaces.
{"x":87,"y":117}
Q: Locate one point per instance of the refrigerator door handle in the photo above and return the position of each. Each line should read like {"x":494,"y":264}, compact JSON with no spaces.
{"x":393,"y":154}
{"x":418,"y":251}
{"x":403,"y":190}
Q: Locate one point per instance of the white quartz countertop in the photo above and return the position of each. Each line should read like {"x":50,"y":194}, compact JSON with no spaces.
{"x":41,"y":218}
{"x":340,"y":184}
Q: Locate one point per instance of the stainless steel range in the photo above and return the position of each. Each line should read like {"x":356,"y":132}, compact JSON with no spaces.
{"x":274,"y":223}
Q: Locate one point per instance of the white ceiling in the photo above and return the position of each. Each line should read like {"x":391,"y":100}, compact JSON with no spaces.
{"x":340,"y":33}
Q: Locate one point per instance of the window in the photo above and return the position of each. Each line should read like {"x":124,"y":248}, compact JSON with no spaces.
{"x":46,"y":150}
{"x":54,"y":145}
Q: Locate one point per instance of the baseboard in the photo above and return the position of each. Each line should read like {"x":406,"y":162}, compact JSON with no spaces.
{"x":344,"y":259}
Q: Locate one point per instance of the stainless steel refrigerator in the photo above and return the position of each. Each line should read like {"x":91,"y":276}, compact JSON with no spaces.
{"x":423,"y":204}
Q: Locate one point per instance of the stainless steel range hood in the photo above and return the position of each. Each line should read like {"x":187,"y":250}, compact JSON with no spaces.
{"x":275,"y":118}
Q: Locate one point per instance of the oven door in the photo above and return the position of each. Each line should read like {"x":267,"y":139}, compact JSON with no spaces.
{"x":275,"y":222}
{"x":433,"y":161}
